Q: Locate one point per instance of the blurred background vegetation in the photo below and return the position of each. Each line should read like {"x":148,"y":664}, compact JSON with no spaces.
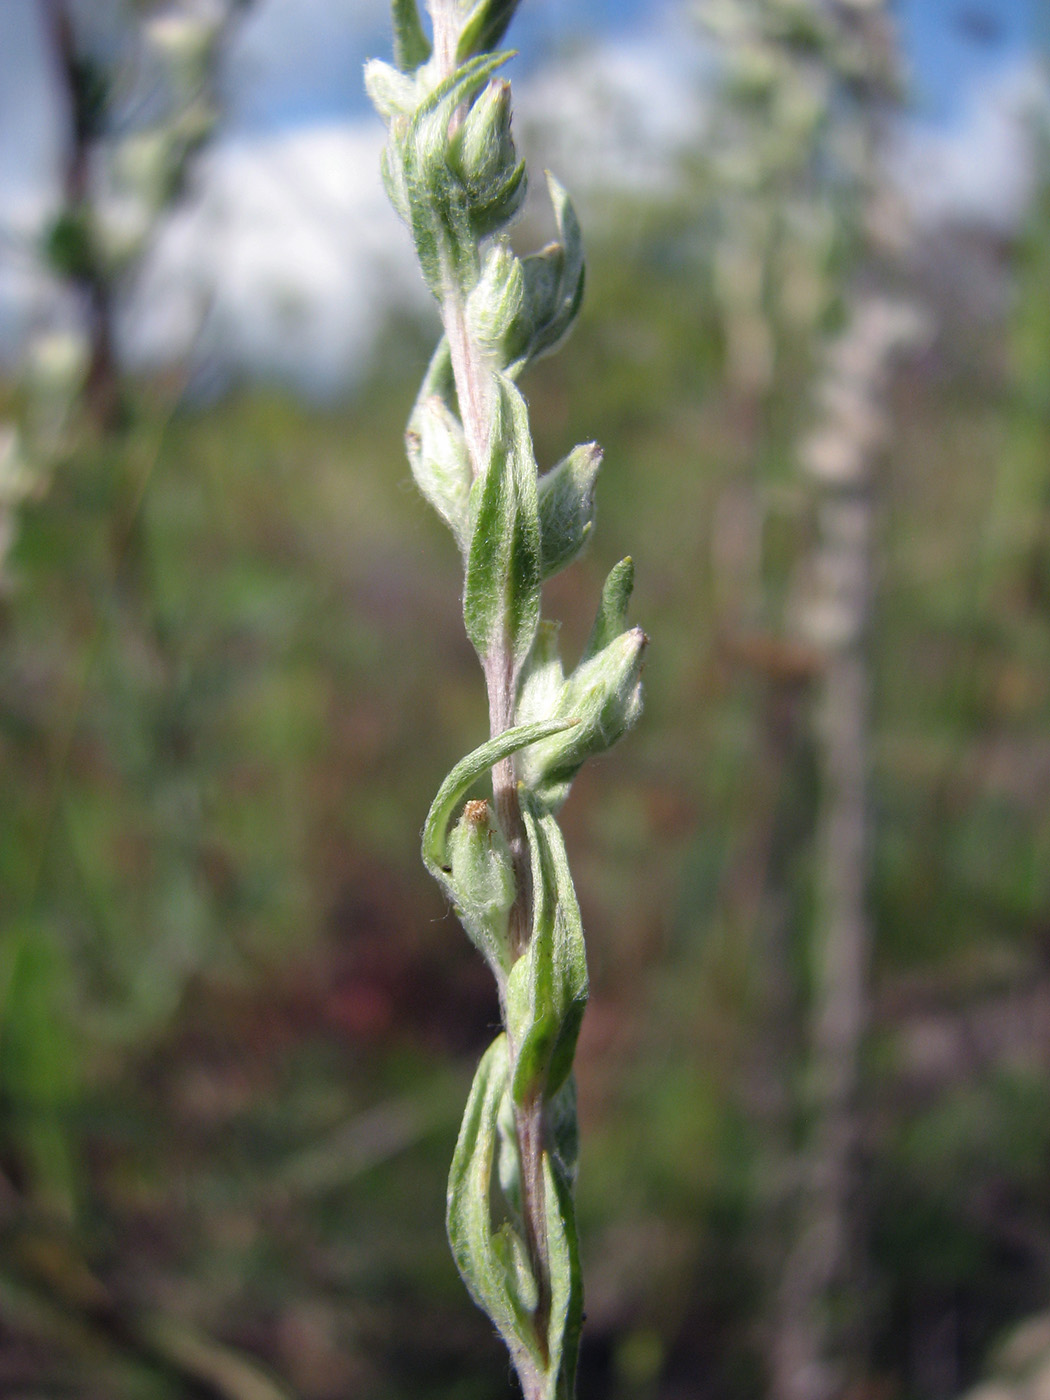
{"x":237,"y":1025}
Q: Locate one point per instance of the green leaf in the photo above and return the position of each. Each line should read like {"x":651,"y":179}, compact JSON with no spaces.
{"x":395,"y":182}
{"x":566,"y":504}
{"x":392,"y":93}
{"x":542,"y":678}
{"x":411,"y":45}
{"x":563,"y":1253}
{"x":521,"y":309}
{"x":482,"y":148}
{"x":449,"y":207}
{"x":603,"y":694}
{"x":508,"y":1163}
{"x":485,"y":26}
{"x":437,"y":453}
{"x":493,"y":1263}
{"x":501,"y":599}
{"x":494,"y":306}
{"x":612,"y":610}
{"x":494,"y":1266}
{"x":547,"y":987}
{"x":459,"y":782}
{"x":473,"y":865}
{"x":484,"y":882}
{"x":482,"y":154}
{"x":436,"y":447}
{"x":554,"y":282}
{"x":439,"y":379}
{"x":563,"y":1130}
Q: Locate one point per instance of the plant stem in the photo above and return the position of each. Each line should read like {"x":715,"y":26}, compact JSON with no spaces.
{"x":501,"y":679}
{"x":446,"y":19}
{"x":530,"y":1126}
{"x":471,"y":381}
{"x":102,"y":395}
{"x":471,"y":378}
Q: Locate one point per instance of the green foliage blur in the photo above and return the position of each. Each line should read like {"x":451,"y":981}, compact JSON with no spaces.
{"x":236,"y":1023}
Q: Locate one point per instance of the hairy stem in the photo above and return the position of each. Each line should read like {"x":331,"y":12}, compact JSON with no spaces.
{"x":530,"y":1126}
{"x":471,"y":378}
{"x":471,"y":381}
{"x":446,"y":19}
{"x":455,"y":178}
{"x":501,"y":681}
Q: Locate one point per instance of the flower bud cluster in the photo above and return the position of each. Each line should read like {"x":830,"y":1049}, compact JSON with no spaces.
{"x":450,"y":166}
{"x":482,"y":155}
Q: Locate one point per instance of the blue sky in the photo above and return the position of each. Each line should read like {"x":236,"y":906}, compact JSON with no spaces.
{"x":953,"y":44}
{"x":301,"y":59}
{"x":950,"y":46}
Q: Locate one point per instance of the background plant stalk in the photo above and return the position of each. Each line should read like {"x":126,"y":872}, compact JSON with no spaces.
{"x":471,"y":377}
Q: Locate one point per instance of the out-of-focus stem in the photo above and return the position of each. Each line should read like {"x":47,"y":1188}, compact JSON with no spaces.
{"x":101,"y":393}
{"x":840,"y":457}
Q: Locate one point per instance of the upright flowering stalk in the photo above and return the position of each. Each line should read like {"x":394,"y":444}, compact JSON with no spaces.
{"x":453,"y":176}
{"x":137,"y":116}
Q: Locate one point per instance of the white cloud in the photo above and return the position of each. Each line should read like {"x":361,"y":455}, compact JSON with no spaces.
{"x":979,"y":170}
{"x":618,"y":116}
{"x":293,"y":247}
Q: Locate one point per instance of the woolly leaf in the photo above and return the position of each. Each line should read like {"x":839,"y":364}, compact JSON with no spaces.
{"x":459,"y":782}
{"x":553,"y":289}
{"x":439,"y":378}
{"x":494,"y":1264}
{"x":501,"y":599}
{"x":612,"y":610}
{"x":542,"y":678}
{"x":563,"y":1127}
{"x":447,"y":201}
{"x":603,"y":694}
{"x":566,"y":1316}
{"x":393,"y":93}
{"x":547,"y":988}
{"x":508,"y":1163}
{"x":411,"y":45}
{"x":437,"y":454}
{"x":566,"y":503}
{"x":482,"y":155}
{"x":494,"y":306}
{"x":484,"y":884}
{"x":485,"y":26}
{"x":494,"y":1268}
